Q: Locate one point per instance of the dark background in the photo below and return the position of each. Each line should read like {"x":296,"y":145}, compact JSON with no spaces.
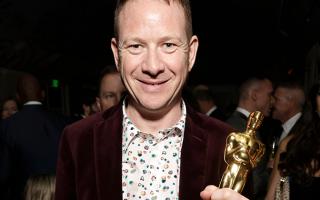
{"x":69,"y":40}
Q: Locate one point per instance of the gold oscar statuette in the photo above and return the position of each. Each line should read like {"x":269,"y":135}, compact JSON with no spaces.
{"x":242,"y":153}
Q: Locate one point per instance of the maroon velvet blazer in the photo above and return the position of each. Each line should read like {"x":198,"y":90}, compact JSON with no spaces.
{"x":90,"y":157}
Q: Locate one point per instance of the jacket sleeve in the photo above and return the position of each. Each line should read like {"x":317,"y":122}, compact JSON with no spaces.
{"x":65,"y":180}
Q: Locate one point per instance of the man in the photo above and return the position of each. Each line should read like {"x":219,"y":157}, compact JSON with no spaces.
{"x":288,"y":107}
{"x":29,"y":140}
{"x":256,"y":95}
{"x":206,"y":102}
{"x":9,"y":107}
{"x":111,"y":88}
{"x":153,"y":146}
{"x":89,"y":106}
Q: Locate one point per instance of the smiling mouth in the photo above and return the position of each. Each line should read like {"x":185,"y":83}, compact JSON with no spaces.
{"x":153,"y":83}
{"x":153,"y":86}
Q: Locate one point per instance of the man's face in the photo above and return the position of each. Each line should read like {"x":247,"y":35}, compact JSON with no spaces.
{"x":153,"y":52}
{"x":111,"y":90}
{"x":9,"y":108}
{"x":264,"y":98}
{"x":282,"y":105}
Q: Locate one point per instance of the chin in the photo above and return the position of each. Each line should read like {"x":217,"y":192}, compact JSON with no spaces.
{"x":154,"y":106}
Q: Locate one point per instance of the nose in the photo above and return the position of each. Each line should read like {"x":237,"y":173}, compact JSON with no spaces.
{"x":153,"y":65}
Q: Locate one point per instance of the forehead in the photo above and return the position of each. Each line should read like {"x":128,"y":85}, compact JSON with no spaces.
{"x":110,"y":79}
{"x":9,"y":103}
{"x":144,"y":16}
{"x":266,"y":84}
{"x":282,"y":92}
{"x":111,"y":82}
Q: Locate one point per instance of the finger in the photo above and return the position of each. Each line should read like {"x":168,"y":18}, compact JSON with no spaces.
{"x":206,"y":193}
{"x":226,"y":193}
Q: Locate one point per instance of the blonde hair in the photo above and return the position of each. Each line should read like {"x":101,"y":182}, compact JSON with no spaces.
{"x":41,"y":187}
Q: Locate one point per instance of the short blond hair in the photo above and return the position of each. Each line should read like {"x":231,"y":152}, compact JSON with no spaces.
{"x":184,"y":3}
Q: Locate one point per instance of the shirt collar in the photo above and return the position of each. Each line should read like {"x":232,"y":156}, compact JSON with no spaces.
{"x":243,"y":111}
{"x":127,"y":124}
{"x":287,"y":126}
{"x":32,"y":103}
{"x":211,"y":110}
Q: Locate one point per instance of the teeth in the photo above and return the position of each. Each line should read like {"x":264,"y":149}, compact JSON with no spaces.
{"x":152,"y":83}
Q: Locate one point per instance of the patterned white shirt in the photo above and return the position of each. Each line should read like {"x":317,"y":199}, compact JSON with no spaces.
{"x":151,"y":163}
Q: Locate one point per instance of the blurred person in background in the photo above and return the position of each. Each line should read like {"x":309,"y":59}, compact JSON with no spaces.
{"x":205,"y":99}
{"x":89,"y":106}
{"x":296,"y":170}
{"x":111,"y":88}
{"x":9,"y":107}
{"x":29,"y":139}
{"x":255,"y":94}
{"x":40,"y":187}
{"x":288,"y":107}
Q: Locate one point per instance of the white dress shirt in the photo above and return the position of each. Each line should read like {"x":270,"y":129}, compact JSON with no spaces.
{"x":211,"y":110}
{"x":287,"y":126}
{"x":32,"y":103}
{"x":243,"y":111}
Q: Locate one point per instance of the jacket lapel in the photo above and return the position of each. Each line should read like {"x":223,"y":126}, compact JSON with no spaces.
{"x":108,"y":155}
{"x":193,"y":157}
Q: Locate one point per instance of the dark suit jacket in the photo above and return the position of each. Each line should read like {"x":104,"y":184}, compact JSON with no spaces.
{"x":90,"y":159}
{"x":29,"y":140}
{"x":238,"y":121}
{"x":217,"y":113}
{"x":304,"y":119}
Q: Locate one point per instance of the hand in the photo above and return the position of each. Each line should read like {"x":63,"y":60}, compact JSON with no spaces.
{"x":212,"y":192}
{"x":270,"y":163}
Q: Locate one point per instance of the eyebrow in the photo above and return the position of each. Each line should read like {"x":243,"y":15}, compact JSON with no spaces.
{"x":140,"y":40}
{"x":133,"y":39}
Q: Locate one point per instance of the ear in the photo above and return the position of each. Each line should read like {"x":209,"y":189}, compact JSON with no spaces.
{"x":254,"y":95}
{"x":115,"y":51}
{"x":193,"y":49}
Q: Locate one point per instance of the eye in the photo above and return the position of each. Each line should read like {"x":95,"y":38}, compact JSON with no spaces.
{"x":169,"y":47}
{"x":108,"y":96}
{"x":135,"y":48}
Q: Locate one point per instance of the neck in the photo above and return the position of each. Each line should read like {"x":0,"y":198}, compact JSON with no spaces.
{"x":152,"y":121}
{"x":290,"y":115}
{"x":247,"y":106}
{"x":205,"y":107}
